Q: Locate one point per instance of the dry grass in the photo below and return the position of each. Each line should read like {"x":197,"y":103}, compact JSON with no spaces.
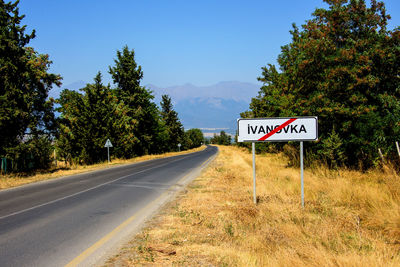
{"x":350,"y":218}
{"x":13,"y":180}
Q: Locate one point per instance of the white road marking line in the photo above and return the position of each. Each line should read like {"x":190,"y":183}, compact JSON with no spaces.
{"x":141,"y":186}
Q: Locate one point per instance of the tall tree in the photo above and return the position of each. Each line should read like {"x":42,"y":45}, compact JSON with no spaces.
{"x":173,"y":126}
{"x":24,"y":84}
{"x":344,"y":67}
{"x":87,"y":120}
{"x":68,"y":141}
{"x":142,"y":112}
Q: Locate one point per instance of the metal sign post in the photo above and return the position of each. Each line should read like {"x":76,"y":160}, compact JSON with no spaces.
{"x":254,"y":172}
{"x":278,"y":130}
{"x":301,"y":174}
{"x":108,"y":145}
{"x":179,"y":147}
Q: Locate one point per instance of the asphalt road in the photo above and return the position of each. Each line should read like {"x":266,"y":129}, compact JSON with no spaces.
{"x":77,"y":220}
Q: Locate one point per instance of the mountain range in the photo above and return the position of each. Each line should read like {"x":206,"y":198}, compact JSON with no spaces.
{"x":210,"y":108}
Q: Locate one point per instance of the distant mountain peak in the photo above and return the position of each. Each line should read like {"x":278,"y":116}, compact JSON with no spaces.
{"x":213,"y":106}
{"x":225,"y":89}
{"x":75,"y":86}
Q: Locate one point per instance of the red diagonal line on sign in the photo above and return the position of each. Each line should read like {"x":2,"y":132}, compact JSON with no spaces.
{"x":277,"y":129}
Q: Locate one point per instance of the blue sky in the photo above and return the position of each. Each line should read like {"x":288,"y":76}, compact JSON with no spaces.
{"x":175,"y":41}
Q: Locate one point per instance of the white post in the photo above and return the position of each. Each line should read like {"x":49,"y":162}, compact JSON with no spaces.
{"x":254,"y":172}
{"x":381,"y":155}
{"x":302,"y":174}
{"x":108,"y":153}
{"x":55,"y":157}
{"x":398,"y":149}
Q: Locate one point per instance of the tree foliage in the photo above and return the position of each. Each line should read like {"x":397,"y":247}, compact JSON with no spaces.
{"x":24,"y":86}
{"x":174,"y":128}
{"x":143,"y":114}
{"x":87,"y":120}
{"x":193,"y":138}
{"x":221,"y":139}
{"x":126,"y":115}
{"x":343,"y":66}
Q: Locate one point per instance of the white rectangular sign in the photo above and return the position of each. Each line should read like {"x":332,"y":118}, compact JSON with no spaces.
{"x":278,"y":129}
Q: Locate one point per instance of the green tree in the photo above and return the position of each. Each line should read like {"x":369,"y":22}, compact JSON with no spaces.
{"x":147,"y":134}
{"x":193,"y":138}
{"x":344,"y":67}
{"x":173,"y":126}
{"x":68,"y":141}
{"x":24,"y":86}
{"x":221,"y":139}
{"x":86,"y":121}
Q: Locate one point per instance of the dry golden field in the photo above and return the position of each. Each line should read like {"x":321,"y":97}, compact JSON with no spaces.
{"x":13,"y":180}
{"x":350,"y":218}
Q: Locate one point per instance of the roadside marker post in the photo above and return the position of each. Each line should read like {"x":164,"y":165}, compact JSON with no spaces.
{"x":398,"y":149}
{"x":278,"y":130}
{"x":108,"y":145}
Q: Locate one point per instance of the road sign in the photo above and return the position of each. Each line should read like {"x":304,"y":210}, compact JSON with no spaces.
{"x":278,"y":129}
{"x":108,"y":143}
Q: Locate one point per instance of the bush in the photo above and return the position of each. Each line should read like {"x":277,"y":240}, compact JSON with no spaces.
{"x":31,"y":155}
{"x":332,"y":150}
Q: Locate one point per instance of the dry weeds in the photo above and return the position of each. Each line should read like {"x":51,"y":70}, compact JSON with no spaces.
{"x":350,"y":218}
{"x":13,"y":180}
